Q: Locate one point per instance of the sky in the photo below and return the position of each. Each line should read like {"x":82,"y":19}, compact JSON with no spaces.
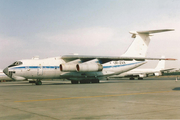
{"x":50,"y":28}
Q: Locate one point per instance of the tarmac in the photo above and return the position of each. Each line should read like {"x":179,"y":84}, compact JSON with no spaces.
{"x":151,"y":98}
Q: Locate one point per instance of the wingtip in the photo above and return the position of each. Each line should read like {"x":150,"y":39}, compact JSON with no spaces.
{"x":171,"y":29}
{"x":170,"y":59}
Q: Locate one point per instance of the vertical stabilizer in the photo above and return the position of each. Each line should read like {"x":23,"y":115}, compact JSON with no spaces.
{"x":139,"y":46}
{"x":161,"y":64}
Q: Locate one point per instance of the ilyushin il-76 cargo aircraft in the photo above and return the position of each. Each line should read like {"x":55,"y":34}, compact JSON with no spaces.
{"x":84,"y":68}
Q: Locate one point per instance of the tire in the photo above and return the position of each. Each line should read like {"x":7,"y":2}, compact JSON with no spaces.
{"x":74,"y":82}
{"x":38,"y":82}
{"x":131,"y":78}
{"x":85,"y":81}
{"x":95,"y":81}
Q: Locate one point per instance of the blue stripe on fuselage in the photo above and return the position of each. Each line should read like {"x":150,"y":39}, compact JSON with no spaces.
{"x":35,"y":67}
{"x":55,"y":67}
{"x":122,"y":65}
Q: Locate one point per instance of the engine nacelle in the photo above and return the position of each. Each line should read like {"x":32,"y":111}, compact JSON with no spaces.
{"x":67,"y":67}
{"x":142,"y":75}
{"x":157,"y":73}
{"x":89,"y":67}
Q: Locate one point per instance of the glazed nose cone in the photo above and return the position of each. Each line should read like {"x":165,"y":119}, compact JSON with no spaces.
{"x":6,"y":71}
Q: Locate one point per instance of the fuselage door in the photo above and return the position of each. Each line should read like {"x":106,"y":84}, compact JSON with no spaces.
{"x":28,"y":71}
{"x":40,"y":70}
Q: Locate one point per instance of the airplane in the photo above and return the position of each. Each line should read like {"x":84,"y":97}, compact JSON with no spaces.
{"x":4,"y":76}
{"x":84,"y":68}
{"x":141,"y":73}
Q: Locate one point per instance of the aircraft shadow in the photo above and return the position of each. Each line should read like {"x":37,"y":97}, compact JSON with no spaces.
{"x":176,"y":88}
{"x":24,"y":83}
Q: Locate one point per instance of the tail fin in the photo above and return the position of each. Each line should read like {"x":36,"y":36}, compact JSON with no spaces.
{"x":161,"y":64}
{"x":139,"y":46}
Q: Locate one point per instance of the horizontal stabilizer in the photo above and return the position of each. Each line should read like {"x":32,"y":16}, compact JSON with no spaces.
{"x":151,"y":31}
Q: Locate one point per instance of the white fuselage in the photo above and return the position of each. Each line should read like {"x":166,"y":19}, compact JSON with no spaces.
{"x":49,"y":69}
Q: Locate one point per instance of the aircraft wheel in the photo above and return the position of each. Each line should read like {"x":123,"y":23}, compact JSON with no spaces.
{"x":131,"y":78}
{"x":32,"y":81}
{"x":140,"y":78}
{"x":38,"y":82}
{"x":95,"y":81}
{"x":74,"y":82}
{"x":82,"y":82}
{"x":85,"y":81}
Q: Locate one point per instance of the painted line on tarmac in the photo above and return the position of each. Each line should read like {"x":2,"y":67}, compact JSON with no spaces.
{"x":94,"y":96}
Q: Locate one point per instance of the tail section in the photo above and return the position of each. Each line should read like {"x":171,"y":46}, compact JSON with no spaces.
{"x":139,"y":46}
{"x":161,"y":64}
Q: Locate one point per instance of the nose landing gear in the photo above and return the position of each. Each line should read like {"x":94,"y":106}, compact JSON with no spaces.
{"x":38,"y":82}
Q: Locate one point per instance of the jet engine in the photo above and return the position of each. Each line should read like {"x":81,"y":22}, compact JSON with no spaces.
{"x":142,"y":75}
{"x":67,"y":67}
{"x":89,"y":67}
{"x":157,"y":73}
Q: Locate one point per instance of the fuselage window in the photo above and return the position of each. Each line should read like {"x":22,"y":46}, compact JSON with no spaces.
{"x":16,"y":64}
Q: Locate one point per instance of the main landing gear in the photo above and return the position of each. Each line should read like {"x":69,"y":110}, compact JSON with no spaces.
{"x":139,"y":78}
{"x":84,"y":81}
{"x":37,"y":82}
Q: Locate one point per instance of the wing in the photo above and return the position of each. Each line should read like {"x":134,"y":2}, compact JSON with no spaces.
{"x":105,"y":59}
{"x":167,"y":69}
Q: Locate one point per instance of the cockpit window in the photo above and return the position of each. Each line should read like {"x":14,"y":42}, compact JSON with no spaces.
{"x":16,"y":63}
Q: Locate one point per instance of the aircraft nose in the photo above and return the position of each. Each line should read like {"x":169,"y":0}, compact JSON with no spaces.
{"x":6,"y":71}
